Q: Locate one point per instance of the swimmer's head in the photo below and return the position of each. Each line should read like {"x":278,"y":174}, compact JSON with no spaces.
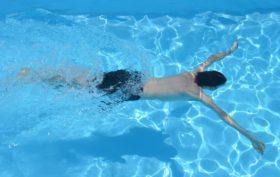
{"x":210,"y":79}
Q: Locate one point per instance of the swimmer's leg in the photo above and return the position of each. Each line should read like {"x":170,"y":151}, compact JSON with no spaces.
{"x":81,"y":82}
{"x":57,"y":81}
{"x":31,"y":76}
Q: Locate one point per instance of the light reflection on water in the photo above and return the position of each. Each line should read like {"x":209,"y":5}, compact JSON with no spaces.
{"x":36,"y":115}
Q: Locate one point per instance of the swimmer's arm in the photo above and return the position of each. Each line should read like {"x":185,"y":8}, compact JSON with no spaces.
{"x":216,"y":57}
{"x":258,"y":145}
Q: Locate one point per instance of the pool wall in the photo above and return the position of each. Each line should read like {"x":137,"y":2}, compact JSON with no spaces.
{"x":143,"y":7}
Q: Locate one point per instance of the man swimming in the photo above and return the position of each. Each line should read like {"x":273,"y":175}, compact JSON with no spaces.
{"x":184,"y":86}
{"x":189,"y":86}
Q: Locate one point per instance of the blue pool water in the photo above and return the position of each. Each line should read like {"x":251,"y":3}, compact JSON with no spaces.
{"x":50,"y":132}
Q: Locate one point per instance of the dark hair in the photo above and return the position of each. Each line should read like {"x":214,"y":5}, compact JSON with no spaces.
{"x":210,"y":79}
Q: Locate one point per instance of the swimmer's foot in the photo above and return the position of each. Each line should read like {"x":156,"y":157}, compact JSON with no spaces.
{"x":24,"y":72}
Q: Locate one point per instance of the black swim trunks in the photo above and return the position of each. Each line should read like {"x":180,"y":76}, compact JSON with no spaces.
{"x":128,"y":84}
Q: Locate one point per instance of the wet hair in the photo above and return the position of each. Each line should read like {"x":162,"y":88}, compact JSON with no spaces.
{"x":210,"y":79}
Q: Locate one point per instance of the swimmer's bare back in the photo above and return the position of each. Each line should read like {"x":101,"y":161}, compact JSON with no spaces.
{"x":184,"y":87}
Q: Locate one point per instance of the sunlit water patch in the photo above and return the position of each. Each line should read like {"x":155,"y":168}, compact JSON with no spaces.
{"x":70,"y":132}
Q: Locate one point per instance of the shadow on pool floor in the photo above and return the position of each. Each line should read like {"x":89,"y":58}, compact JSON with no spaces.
{"x":143,"y":142}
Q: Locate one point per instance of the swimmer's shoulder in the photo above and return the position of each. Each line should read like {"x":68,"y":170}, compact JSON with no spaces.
{"x":192,"y":89}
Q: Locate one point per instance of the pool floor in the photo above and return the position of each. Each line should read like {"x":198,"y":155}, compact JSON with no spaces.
{"x":69,"y":132}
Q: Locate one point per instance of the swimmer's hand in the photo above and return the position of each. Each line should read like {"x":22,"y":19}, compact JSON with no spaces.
{"x":234,"y":46}
{"x":258,"y":145}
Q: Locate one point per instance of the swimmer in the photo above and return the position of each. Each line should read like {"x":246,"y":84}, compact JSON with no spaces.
{"x":190,"y":85}
{"x":185,"y":86}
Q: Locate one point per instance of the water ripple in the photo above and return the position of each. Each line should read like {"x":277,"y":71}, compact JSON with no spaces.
{"x":161,"y":46}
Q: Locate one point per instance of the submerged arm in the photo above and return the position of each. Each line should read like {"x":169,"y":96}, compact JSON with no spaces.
{"x":258,"y":145}
{"x":216,"y":57}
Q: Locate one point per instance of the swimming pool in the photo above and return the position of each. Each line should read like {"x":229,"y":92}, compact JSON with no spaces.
{"x":68,"y":132}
